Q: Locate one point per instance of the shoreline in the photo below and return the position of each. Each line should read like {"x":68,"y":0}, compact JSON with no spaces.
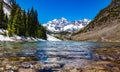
{"x":16,"y":38}
{"x":105,"y":60}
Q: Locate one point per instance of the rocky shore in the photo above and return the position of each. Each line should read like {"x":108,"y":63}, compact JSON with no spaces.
{"x":104,"y":60}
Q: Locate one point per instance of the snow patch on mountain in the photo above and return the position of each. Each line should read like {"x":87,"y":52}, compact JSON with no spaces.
{"x":63,"y":25}
{"x":51,"y":38}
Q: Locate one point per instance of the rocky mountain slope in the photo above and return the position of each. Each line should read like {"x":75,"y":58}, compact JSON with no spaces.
{"x":7,"y":6}
{"x":63,"y":25}
{"x":105,"y":26}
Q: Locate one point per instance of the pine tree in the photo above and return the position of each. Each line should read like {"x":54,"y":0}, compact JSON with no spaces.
{"x":9,"y":30}
{"x":23,"y":23}
{"x":35,"y":23}
{"x":5,"y":22}
{"x":1,"y":15}
{"x":13,"y":11}
{"x":31,"y":24}
{"x":17,"y":22}
{"x":27,"y":24}
{"x":36,"y":30}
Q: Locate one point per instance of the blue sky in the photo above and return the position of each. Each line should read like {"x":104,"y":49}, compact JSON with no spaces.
{"x":70,"y":9}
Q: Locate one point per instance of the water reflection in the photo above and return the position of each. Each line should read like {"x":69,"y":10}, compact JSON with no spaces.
{"x":54,"y":53}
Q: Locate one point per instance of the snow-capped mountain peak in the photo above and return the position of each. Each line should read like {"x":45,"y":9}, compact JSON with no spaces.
{"x":63,"y":25}
{"x":85,"y":20}
{"x":64,"y":19}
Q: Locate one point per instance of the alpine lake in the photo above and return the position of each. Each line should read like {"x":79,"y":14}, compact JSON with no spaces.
{"x":59,"y":56}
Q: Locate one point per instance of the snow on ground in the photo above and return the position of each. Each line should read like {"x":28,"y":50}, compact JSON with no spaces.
{"x":5,"y":38}
{"x":16,"y":38}
{"x":19,"y":39}
{"x":51,"y":38}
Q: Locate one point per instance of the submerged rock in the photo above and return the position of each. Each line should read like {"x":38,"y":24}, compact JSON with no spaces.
{"x":104,"y":60}
{"x":26,"y":70}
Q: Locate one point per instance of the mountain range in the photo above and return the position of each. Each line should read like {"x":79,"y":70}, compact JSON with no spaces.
{"x":56,"y":25}
{"x":104,"y":27}
{"x":63,"y":25}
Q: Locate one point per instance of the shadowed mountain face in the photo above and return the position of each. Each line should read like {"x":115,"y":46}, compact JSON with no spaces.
{"x":105,"y":26}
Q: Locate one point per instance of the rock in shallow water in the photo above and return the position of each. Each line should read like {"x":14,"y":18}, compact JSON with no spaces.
{"x":107,"y":60}
{"x":26,"y":70}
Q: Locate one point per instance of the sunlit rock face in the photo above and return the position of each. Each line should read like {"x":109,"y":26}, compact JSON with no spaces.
{"x":9,"y":2}
{"x":7,"y":6}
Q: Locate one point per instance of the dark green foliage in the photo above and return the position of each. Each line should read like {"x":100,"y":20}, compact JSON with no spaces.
{"x":13,"y":10}
{"x":17,"y":22}
{"x":32,"y":27}
{"x":24,"y":26}
{"x":1,"y":15}
{"x":5,"y":22}
{"x":22,"y":23}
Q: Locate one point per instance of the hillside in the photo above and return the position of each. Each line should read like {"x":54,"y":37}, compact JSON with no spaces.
{"x":105,"y":26}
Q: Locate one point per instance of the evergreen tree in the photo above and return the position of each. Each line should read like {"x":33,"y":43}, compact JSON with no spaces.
{"x":36,"y":30}
{"x":5,"y":22}
{"x":13,"y":11}
{"x":9,"y":30}
{"x":24,"y":28}
{"x":27,"y":24}
{"x":31,"y":24}
{"x":35,"y":23}
{"x":17,"y":22}
{"x":1,"y":15}
{"x":24,"y":24}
